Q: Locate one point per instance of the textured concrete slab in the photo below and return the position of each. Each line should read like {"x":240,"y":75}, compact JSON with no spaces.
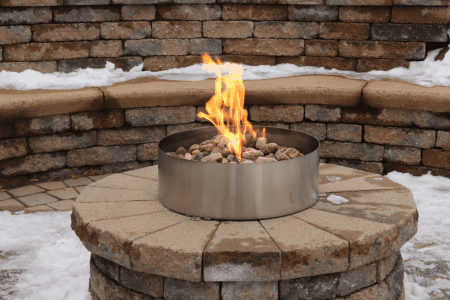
{"x":371,"y":182}
{"x":386,"y":206}
{"x":52,"y":185}
{"x":119,"y":181}
{"x":37,"y":199}
{"x":38,"y":208}
{"x":111,"y":239}
{"x":174,"y":251}
{"x":17,"y":104}
{"x":305,"y":249}
{"x":11,"y":205}
{"x":63,"y":205}
{"x":368,"y":240}
{"x":4,"y":196}
{"x":64,"y":194}
{"x":102,"y":194}
{"x":149,"y":173}
{"x":241,"y":251}
{"x":25,"y":190}
{"x":78,"y":182}
{"x":400,"y":95}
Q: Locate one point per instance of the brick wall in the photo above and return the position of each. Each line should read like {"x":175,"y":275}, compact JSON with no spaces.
{"x":375,"y":140}
{"x":357,"y":35}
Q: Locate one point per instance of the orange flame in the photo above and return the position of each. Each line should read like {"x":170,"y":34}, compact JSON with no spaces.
{"x":226,"y":108}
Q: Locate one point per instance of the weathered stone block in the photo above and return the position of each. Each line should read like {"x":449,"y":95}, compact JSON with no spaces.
{"x":277,"y":113}
{"x":97,"y":120}
{"x":171,"y":129}
{"x":104,"y":48}
{"x":150,"y":47}
{"x":138,"y":12}
{"x":32,"y":164}
{"x":402,"y":155}
{"x":420,"y":14}
{"x":45,"y":51}
{"x":65,"y":32}
{"x":124,"y":63}
{"x":123,"y":167}
{"x":147,"y":152}
{"x":286,"y":30}
{"x":443,"y":140}
{"x":366,"y":152}
{"x":126,"y":30}
{"x":74,"y":14}
{"x":13,"y":148}
{"x":319,"y":113}
{"x":436,"y":158}
{"x":421,"y":2}
{"x":64,"y":141}
{"x":428,"y":119}
{"x":101,"y":155}
{"x":87,"y":2}
{"x":359,"y":2}
{"x":15,"y":34}
{"x":356,"y":279}
{"x":10,"y":3}
{"x":315,"y":287}
{"x":255,"y":12}
{"x":319,"y":130}
{"x":377,"y":291}
{"x":228,"y":29}
{"x":376,"y":49}
{"x":313,"y":13}
{"x":365,"y":14}
{"x":271,"y":124}
{"x":41,"y":66}
{"x":165,"y":62}
{"x":368,"y":166}
{"x":242,"y":290}
{"x":394,"y":280}
{"x":147,"y":284}
{"x":344,"y":31}
{"x":175,"y":289}
{"x":409,"y":32}
{"x":106,"y":266}
{"x":385,"y":266}
{"x":160,"y":115}
{"x":400,"y":136}
{"x":108,"y":137}
{"x":344,"y":132}
{"x":36,"y":126}
{"x":416,"y":170}
{"x":176,"y":29}
{"x":28,"y":15}
{"x":374,"y":116}
{"x":200,"y":46}
{"x":321,"y":48}
{"x":189,"y":12}
{"x":339,"y":63}
{"x":367,"y":65}
{"x":254,"y":46}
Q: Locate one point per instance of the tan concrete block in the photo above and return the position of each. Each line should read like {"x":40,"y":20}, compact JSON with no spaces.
{"x":183,"y":289}
{"x":64,"y":194}
{"x":369,"y":241}
{"x":4,"y":196}
{"x":176,"y":29}
{"x":111,"y":239}
{"x":347,"y":150}
{"x":374,"y":292}
{"x":175,"y":251}
{"x":11,"y":205}
{"x":277,"y":113}
{"x":120,"y":181}
{"x":365,"y":14}
{"x":200,"y":12}
{"x":171,"y":129}
{"x":420,"y":14}
{"x":45,"y":51}
{"x":286,"y":30}
{"x":443,"y":140}
{"x":79,"y":189}
{"x":148,"y":284}
{"x":38,"y":208}
{"x":390,"y":94}
{"x":17,"y":104}
{"x":149,"y":173}
{"x":305,"y":249}
{"x":260,"y":12}
{"x":64,"y":205}
{"x":37,"y":199}
{"x":241,"y":251}
{"x":367,"y":65}
{"x":14,"y":3}
{"x":98,"y":177}
{"x":385,"y":266}
{"x":377,"y":49}
{"x":436,"y":158}
{"x":32,"y":164}
{"x":344,"y":31}
{"x":105,"y":48}
{"x":102,"y":194}
{"x":126,"y":30}
{"x":319,"y":130}
{"x":138,"y":12}
{"x":25,"y":190}
{"x":15,"y":34}
{"x":52,"y":185}
{"x":321,"y":48}
{"x":419,"y":138}
{"x":65,"y":32}
{"x":40,"y":66}
{"x":78,"y":182}
{"x":241,"y":290}
{"x":402,"y":155}
{"x":360,"y":2}
{"x":228,"y":29}
{"x":264,"y":46}
{"x":339,"y":63}
{"x":344,"y":132}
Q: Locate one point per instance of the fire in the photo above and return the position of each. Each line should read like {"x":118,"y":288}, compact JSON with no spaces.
{"x":226,"y":107}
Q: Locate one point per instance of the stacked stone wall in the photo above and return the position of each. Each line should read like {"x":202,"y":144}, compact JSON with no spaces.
{"x":357,"y":35}
{"x":375,"y":140}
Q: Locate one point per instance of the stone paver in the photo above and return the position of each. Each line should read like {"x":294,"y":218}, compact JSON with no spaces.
{"x":78,"y":182}
{"x":52,"y":185}
{"x":99,"y":177}
{"x":37,"y":199}
{"x":64,"y":205}
{"x":11,"y":205}
{"x":64,"y":194}
{"x":119,"y":181}
{"x":4,"y":196}
{"x":79,"y":189}
{"x":25,"y":190}
{"x":102,"y":194}
{"x":149,"y":173}
{"x":38,"y":208}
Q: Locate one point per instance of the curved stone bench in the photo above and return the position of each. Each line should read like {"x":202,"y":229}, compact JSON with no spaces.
{"x":348,"y":250}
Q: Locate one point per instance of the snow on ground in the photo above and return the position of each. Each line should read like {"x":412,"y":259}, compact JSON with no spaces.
{"x":55,"y":265}
{"x":425,"y":73}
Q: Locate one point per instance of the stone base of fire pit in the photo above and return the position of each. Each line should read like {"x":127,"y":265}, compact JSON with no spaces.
{"x":140,"y":250}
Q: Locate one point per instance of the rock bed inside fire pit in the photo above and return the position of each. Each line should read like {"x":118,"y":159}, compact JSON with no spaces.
{"x":254,"y":151}
{"x":141,"y":250}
